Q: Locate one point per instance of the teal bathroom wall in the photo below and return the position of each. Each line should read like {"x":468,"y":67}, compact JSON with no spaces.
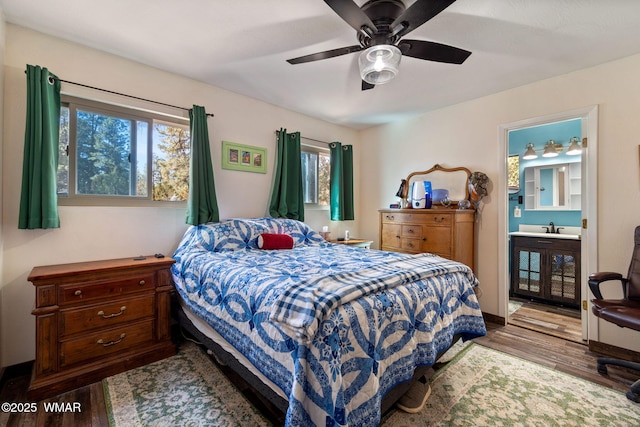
{"x":561,"y":133}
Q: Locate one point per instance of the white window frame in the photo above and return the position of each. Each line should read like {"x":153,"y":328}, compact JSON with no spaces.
{"x":73,"y":199}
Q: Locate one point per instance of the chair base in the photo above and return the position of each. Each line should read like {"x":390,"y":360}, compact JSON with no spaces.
{"x":634,"y":391}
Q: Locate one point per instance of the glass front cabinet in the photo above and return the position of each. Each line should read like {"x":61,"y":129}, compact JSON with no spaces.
{"x":546,"y":269}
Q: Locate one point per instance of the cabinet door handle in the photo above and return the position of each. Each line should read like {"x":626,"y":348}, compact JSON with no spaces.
{"x":78,"y":293}
{"x":424,"y":239}
{"x":107,"y":316}
{"x":110,"y":343}
{"x":142,"y":283}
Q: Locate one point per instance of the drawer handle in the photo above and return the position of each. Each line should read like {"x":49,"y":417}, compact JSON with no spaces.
{"x":410,"y":231}
{"x":441,"y":219}
{"x":142,"y":283}
{"x":78,"y":293}
{"x":110,"y":343}
{"x":107,"y":316}
{"x":390,"y":217}
{"x":410,"y":245}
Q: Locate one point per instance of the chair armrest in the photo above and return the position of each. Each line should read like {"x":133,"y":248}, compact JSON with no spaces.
{"x":603,"y":276}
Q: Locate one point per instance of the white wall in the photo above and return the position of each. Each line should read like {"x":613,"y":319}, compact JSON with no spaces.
{"x":2,"y":43}
{"x":89,"y":233}
{"x":467,"y":135}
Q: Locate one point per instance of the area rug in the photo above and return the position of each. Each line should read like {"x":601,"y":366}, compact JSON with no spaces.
{"x":484,"y":387}
{"x":187,"y":389}
{"x":478,"y":387}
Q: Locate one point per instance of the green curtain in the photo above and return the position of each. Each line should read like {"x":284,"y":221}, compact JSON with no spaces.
{"x":287,"y":200}
{"x":202,"y":206}
{"x":341,"y":182}
{"x":39,"y":197}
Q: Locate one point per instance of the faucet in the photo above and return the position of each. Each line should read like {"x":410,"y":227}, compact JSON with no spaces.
{"x":551,"y":228}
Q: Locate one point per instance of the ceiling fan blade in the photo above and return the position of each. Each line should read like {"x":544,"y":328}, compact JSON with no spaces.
{"x":367,"y":86}
{"x":432,"y":51}
{"x":352,"y":14}
{"x":324,"y":55}
{"x":417,"y":14}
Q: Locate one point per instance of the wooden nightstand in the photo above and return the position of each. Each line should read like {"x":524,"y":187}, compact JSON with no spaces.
{"x":357,"y":243}
{"x":96,"y":319}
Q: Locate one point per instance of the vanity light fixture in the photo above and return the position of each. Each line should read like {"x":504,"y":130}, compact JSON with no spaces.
{"x":551,"y":150}
{"x":530,"y":154}
{"x":574,"y":148}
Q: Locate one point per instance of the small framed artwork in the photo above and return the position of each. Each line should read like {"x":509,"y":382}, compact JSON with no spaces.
{"x":244,"y":157}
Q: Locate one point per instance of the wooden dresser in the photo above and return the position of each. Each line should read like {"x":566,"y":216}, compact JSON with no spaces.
{"x":96,"y":319}
{"x":444,"y":231}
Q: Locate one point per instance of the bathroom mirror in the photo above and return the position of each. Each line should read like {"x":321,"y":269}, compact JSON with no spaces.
{"x":552,"y":187}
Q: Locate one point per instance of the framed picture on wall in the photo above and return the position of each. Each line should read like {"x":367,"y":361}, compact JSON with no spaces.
{"x":242,"y":157}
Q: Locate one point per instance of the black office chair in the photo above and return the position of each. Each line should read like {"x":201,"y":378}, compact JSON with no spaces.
{"x":622,"y":312}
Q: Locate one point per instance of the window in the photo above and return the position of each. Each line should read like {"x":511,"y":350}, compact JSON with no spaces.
{"x":316,"y":167}
{"x":111,"y":155}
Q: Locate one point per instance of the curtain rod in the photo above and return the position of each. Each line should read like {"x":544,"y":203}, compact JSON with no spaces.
{"x":310,"y":139}
{"x":123,"y":94}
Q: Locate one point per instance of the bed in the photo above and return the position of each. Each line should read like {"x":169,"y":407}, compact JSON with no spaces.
{"x":328,"y":329}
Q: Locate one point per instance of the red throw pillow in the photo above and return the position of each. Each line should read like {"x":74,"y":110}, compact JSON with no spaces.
{"x":275,"y":241}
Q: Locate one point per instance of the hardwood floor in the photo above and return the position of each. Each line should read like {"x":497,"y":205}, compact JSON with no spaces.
{"x":557,"y":353}
{"x":552,"y":320}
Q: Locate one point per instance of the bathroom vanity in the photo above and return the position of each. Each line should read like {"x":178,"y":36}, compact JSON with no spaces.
{"x":546,"y":267}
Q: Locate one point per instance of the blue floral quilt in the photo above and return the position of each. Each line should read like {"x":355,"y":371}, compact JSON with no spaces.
{"x":334,"y":327}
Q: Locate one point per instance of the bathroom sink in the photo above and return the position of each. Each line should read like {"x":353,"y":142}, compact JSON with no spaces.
{"x":566,"y":232}
{"x":544,"y":235}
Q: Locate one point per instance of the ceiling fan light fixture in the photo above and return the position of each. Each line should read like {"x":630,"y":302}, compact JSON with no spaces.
{"x":379,"y":64}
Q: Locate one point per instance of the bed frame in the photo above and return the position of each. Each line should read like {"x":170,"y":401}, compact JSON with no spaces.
{"x":282,"y":404}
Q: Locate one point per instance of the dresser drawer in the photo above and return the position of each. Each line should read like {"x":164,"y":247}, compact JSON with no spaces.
{"x":411,"y":231}
{"x":105,"y":342}
{"x":84,"y":319}
{"x":436,"y":219}
{"x":87,"y":291}
{"x":411,"y":245}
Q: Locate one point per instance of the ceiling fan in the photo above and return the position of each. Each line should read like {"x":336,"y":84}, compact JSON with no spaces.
{"x":380,"y":26}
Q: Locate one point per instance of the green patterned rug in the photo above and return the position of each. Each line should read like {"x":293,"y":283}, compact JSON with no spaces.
{"x":479,"y":387}
{"x":187,"y":389}
{"x":484,"y":387}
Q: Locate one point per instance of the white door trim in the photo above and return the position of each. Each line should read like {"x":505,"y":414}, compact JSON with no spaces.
{"x":589,"y":244}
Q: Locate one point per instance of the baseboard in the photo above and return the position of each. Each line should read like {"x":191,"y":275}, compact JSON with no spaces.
{"x":613,"y":351}
{"x":492,"y":318}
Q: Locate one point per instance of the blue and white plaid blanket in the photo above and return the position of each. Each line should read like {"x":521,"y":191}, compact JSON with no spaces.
{"x":368,"y":337}
{"x":303,"y":306}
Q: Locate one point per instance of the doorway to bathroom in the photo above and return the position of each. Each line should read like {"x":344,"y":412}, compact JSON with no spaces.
{"x":544,"y":253}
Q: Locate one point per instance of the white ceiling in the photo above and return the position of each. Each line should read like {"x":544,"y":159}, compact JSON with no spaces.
{"x":243,"y":45}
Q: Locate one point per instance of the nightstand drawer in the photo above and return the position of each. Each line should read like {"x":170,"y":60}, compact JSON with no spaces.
{"x":105,"y":342}
{"x":110,"y":314}
{"x":82,"y":292}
